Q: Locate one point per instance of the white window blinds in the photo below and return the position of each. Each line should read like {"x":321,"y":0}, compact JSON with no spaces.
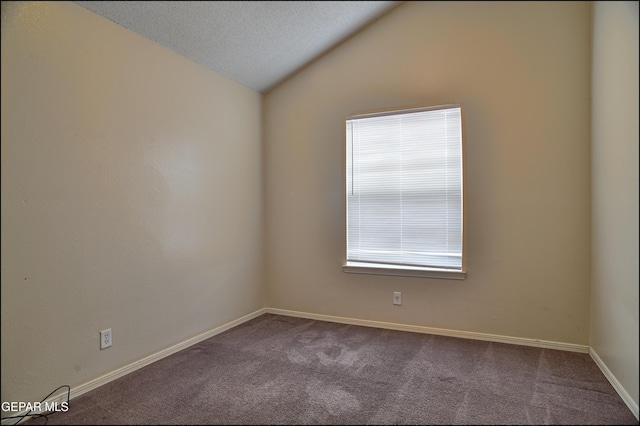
{"x":404,"y":188}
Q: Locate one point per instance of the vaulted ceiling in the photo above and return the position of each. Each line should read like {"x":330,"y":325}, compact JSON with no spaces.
{"x":256,"y":43}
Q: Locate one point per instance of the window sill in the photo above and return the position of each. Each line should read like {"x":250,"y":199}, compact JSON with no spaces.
{"x":405,"y":271}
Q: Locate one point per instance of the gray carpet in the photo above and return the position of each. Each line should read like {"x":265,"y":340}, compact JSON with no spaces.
{"x":283,"y":370}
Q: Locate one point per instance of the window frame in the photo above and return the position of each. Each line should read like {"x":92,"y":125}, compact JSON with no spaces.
{"x":358,"y":267}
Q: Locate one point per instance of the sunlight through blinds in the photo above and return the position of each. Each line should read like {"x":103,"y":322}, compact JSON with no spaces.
{"x":404,"y":188}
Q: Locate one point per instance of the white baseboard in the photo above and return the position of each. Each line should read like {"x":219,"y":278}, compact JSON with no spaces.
{"x":102,"y":380}
{"x":438,"y":331}
{"x":633,"y":406}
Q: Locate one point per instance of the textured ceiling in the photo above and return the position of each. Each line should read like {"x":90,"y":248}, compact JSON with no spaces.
{"x":257,"y":43}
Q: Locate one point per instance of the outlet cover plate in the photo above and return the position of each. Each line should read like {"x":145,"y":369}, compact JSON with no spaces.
{"x":105,"y":339}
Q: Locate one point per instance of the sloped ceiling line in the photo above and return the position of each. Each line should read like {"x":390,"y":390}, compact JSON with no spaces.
{"x":256,"y":43}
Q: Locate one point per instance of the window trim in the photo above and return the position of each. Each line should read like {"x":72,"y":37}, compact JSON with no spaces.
{"x":356,"y":267}
{"x":403,"y":271}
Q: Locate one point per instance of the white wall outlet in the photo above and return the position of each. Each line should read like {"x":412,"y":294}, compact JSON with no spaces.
{"x":105,"y":339}
{"x":397,"y":298}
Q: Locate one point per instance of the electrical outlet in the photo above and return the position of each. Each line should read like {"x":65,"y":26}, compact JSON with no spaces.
{"x":397,"y":298}
{"x":105,"y":339}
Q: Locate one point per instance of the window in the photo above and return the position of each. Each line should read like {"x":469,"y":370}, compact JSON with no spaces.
{"x":404,"y":193}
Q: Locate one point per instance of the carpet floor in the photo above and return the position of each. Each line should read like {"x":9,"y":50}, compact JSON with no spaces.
{"x":283,"y":370}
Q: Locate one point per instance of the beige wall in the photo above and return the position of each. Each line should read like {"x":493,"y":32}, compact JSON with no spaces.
{"x":614,"y":301}
{"x":132,"y":195}
{"x":131,"y":198}
{"x":521,"y":70}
